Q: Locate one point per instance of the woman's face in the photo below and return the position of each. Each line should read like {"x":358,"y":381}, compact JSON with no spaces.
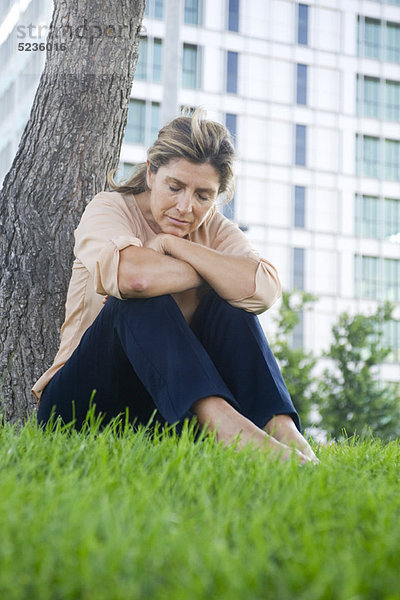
{"x":182,"y":194}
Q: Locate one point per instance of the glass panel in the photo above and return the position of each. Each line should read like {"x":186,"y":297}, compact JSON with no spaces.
{"x":189,"y":66}
{"x":300,"y":158}
{"x":228,"y":210}
{"x":372,"y":38}
{"x":124,"y":172}
{"x":232,"y":72}
{"x":157,"y":60}
{"x":233,"y":16}
{"x":301,"y":96}
{"x":391,"y":280}
{"x":298,"y":332}
{"x":367,"y":221}
{"x":370,"y":156}
{"x":299,"y":205}
{"x":359,"y":94}
{"x":392,"y":101}
{"x":371,"y":97}
{"x":392,"y":217}
{"x":392,"y":160}
{"x":231,"y":124}
{"x":191,"y":16}
{"x":359,"y":165}
{"x":141,"y":65}
{"x":369,"y":282}
{"x":358,"y":215}
{"x":135,"y":127}
{"x":391,"y":339}
{"x":154,"y":9}
{"x":302,"y":25}
{"x":357,"y":276}
{"x":298,"y":268}
{"x":155,"y":121}
{"x":159,"y":9}
{"x":393,"y":42}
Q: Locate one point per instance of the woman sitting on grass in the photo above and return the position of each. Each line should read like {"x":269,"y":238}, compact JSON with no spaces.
{"x":179,"y":333}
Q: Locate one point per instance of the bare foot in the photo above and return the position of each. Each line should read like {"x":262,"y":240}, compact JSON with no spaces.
{"x":283,"y":429}
{"x":232,"y":427}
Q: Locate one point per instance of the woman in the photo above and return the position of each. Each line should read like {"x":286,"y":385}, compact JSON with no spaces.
{"x":179,"y":332}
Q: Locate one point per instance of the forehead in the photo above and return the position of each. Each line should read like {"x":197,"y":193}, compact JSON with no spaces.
{"x":199,"y":175}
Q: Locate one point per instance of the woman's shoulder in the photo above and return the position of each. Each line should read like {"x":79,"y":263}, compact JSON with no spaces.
{"x":112,"y":197}
{"x":112,"y":202}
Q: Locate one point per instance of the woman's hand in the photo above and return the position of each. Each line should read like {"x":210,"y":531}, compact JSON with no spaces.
{"x":159,"y":243}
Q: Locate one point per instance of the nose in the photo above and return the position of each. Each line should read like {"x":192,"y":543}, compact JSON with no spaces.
{"x":184,"y":202}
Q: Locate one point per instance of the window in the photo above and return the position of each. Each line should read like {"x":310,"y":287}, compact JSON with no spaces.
{"x":391,"y":339}
{"x":391,"y":279}
{"x":228,"y":209}
{"x":368,"y":96}
{"x":366,"y":276}
{"x":157,"y":60}
{"x":149,"y":64}
{"x":393,"y":42}
{"x":231,"y":124}
{"x":300,"y":157}
{"x":298,"y":268}
{"x":392,"y":160}
{"x":233,"y":15}
{"x":298,"y":331}
{"x":302,"y":24}
{"x":372,"y":103}
{"x":143,"y":122}
{"x":301,"y":95}
{"x":154,"y":121}
{"x":190,"y":66}
{"x":232,"y":72}
{"x":392,"y":100}
{"x":369,"y":37}
{"x":367,"y":155}
{"x":141,"y":65}
{"x":367,"y":219}
{"x":154,"y":9}
{"x":391,"y":217}
{"x":124,"y":172}
{"x":299,"y":205}
{"x":135,"y":127}
{"x":192,"y":12}
{"x":376,"y":217}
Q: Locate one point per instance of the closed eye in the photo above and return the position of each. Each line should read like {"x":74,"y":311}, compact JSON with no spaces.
{"x":173,"y":189}
{"x":204,"y":198}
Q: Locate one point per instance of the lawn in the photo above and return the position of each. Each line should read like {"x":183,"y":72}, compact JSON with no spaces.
{"x":120,"y":515}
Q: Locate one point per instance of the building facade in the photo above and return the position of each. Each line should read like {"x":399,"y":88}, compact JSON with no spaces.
{"x":311,"y":94}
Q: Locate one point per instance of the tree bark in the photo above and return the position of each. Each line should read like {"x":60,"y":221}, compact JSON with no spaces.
{"x":72,"y":139}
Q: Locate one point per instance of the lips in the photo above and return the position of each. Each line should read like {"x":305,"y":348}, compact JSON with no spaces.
{"x":178,"y":221}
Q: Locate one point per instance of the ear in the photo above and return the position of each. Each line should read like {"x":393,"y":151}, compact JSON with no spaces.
{"x":149,"y":176}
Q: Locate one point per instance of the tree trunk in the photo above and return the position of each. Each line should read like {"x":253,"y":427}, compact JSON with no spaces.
{"x":72,"y":139}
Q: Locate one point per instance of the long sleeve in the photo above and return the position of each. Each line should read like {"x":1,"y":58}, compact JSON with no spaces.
{"x":227,"y":238}
{"x":105,"y":229}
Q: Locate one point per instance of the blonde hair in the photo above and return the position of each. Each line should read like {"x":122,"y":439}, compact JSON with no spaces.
{"x":192,"y":138}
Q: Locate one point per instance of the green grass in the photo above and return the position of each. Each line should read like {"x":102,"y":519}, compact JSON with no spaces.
{"x":122,"y":516}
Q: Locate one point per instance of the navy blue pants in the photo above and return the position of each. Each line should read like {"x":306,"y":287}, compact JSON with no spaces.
{"x":142,"y":355}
